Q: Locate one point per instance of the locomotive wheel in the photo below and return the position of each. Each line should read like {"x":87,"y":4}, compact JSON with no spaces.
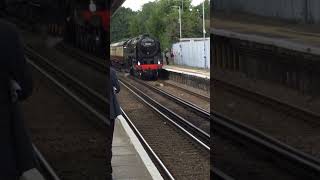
{"x":155,"y":75}
{"x":139,"y":75}
{"x":49,"y":28}
{"x":54,"y":29}
{"x":77,"y":37}
{"x":131,"y":72}
{"x":96,"y":42}
{"x":87,"y":42}
{"x":84,"y":40}
{"x":92,"y":49}
{"x":81,"y":40}
{"x":61,"y":30}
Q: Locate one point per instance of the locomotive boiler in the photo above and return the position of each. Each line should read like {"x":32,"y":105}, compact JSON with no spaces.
{"x":141,"y":56}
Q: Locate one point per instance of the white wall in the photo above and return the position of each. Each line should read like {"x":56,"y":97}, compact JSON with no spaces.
{"x":190,"y":52}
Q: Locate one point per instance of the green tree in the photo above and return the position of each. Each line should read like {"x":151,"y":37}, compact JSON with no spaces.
{"x":160,"y":19}
{"x":120,"y":23}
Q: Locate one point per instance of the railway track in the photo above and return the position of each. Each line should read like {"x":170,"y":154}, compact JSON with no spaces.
{"x":94,"y":97}
{"x":90,"y":99}
{"x":195,"y":127}
{"x":185,"y":155}
{"x":281,"y":153}
{"x":187,"y":104}
{"x":180,"y":135}
{"x":45,"y":168}
{"x":275,"y":104}
{"x":201,"y":96}
{"x":296,"y":131}
{"x":95,"y":150}
{"x":270,"y":150}
{"x":254,"y":138}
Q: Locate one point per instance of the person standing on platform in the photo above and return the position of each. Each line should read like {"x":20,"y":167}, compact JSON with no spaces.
{"x":167,"y":55}
{"x":115,"y":111}
{"x":16,"y":153}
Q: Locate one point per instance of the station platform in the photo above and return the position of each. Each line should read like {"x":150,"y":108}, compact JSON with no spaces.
{"x":189,"y":76}
{"x":288,"y":35}
{"x":130,"y":160}
{"x":197,"y":72}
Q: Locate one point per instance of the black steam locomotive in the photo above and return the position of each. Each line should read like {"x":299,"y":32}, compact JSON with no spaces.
{"x":140,"y":55}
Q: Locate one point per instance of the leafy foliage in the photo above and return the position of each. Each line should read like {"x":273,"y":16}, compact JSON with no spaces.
{"x":160,"y":19}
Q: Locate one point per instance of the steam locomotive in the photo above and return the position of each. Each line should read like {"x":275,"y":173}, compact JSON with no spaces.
{"x":141,"y":56}
{"x":83,"y":23}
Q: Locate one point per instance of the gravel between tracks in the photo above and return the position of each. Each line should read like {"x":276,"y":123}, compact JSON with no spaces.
{"x":181,"y":94}
{"x":241,"y":162}
{"x":73,"y":145}
{"x":184,"y":158}
{"x":300,"y":134}
{"x":195,"y":119}
{"x":88,"y":75}
{"x":186,"y":161}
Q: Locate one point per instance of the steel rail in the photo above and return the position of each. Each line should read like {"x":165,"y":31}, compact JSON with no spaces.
{"x":94,"y":62}
{"x":147,"y":146}
{"x":44,"y":163}
{"x":289,"y":153}
{"x":217,"y":174}
{"x":95,"y":98}
{"x":204,"y":97}
{"x":271,"y":145}
{"x":272,"y":102}
{"x":91,"y":61}
{"x":95,"y":113}
{"x":204,"y":136}
{"x":200,"y":111}
{"x":169,"y":115}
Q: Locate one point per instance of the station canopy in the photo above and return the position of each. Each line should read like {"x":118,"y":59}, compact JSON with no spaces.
{"x":115,"y":4}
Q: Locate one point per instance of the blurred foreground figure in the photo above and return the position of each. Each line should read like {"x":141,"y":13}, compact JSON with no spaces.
{"x":114,"y":113}
{"x":16,"y":153}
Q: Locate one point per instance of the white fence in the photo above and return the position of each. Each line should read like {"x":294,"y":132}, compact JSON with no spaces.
{"x":194,"y":52}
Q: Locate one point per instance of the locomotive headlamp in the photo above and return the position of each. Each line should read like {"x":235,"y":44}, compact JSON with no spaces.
{"x":139,"y":63}
{"x":159,"y":62}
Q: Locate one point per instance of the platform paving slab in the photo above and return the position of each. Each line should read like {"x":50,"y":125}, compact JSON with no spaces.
{"x":202,"y":73}
{"x":130,"y":160}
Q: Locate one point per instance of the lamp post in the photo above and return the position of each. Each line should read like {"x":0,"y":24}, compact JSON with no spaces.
{"x":180,"y":21}
{"x":204,"y":35}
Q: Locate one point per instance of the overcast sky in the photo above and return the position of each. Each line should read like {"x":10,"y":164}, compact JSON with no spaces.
{"x":137,"y":4}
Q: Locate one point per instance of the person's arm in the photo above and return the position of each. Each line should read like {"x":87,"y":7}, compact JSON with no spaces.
{"x":20,"y":71}
{"x":115,"y":82}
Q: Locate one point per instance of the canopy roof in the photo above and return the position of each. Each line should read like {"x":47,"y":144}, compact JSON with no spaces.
{"x":115,"y":4}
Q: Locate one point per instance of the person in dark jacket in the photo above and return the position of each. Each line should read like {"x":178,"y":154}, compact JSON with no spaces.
{"x":114,"y":113}
{"x":16,"y":152}
{"x":115,"y":89}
